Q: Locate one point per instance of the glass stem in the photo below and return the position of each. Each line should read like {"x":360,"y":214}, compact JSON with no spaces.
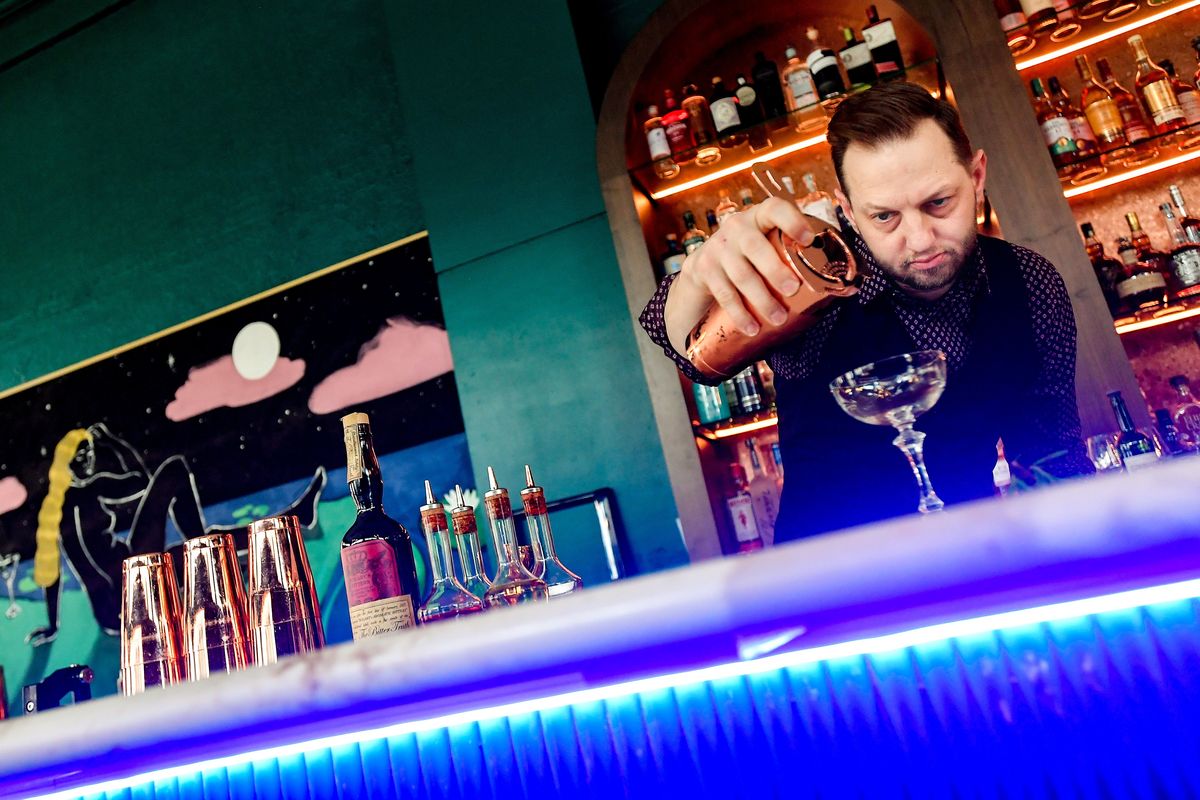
{"x":911,"y":443}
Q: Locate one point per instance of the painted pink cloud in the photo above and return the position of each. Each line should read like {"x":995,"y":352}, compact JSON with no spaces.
{"x":12,"y":494}
{"x":401,"y":355}
{"x":218,"y":384}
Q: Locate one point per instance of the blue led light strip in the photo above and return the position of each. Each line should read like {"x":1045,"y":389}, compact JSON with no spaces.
{"x":1121,"y":601}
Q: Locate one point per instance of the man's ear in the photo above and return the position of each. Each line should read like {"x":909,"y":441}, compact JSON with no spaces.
{"x":844,"y":202}
{"x":979,"y":175}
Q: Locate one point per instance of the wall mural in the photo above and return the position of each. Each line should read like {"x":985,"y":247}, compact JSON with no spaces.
{"x":211,"y":425}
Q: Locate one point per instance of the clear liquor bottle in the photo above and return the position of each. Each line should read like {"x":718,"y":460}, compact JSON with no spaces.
{"x":700,"y":119}
{"x":1153,"y":85}
{"x":559,"y":580}
{"x":475,"y":578}
{"x":1190,"y":225}
{"x":800,"y":92}
{"x":447,"y":597}
{"x":660,"y":149}
{"x":513,"y":584}
{"x":377,"y":558}
{"x":1187,"y":410}
{"x":763,"y":493}
{"x":741,"y":512}
{"x":1185,"y":255}
{"x":1136,"y":448}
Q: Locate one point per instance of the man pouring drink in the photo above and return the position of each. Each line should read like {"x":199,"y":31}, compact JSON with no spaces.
{"x":911,"y":187}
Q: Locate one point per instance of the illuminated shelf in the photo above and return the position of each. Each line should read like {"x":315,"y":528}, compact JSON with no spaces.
{"x":735,"y":426}
{"x":1096,"y":30}
{"x":1164,"y":316}
{"x":1169,"y":155}
{"x":785,"y":140}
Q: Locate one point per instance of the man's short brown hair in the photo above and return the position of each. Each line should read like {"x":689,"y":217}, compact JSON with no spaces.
{"x":887,"y":112}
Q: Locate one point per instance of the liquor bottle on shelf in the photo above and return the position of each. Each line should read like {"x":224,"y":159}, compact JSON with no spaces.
{"x":1153,"y":85}
{"x":1185,"y":256}
{"x":766,"y":379}
{"x":1146,"y":250}
{"x":1039,"y":14}
{"x":801,"y":96}
{"x":826,"y":70}
{"x":777,"y":457}
{"x":741,"y":512}
{"x":729,"y":387}
{"x":1109,"y":271}
{"x":1136,"y":448}
{"x":1143,"y":285}
{"x":1196,"y":46}
{"x":1056,"y":128}
{"x":466,"y":533}
{"x":1100,"y":109}
{"x":678,"y":129}
{"x":747,"y":199}
{"x":700,"y":120}
{"x":377,"y":557}
{"x":447,"y":598}
{"x":1190,"y":225}
{"x":693,"y":237}
{"x":711,"y":404}
{"x":856,"y":57}
{"x":726,"y":116}
{"x":1001,"y":472}
{"x":1068,"y":25}
{"x":725,"y":208}
{"x":750,"y":109}
{"x":1015,"y":26}
{"x":1185,"y":93}
{"x":672,"y":259}
{"x":885,"y":50}
{"x":770,"y":88}
{"x":1085,"y":138}
{"x":1187,"y":411}
{"x":710,"y":216}
{"x":749,"y":391}
{"x":559,"y":580}
{"x":513,"y":584}
{"x":817,"y":203}
{"x":763,"y":493}
{"x":1168,"y":433}
{"x":660,"y":149}
{"x":1137,"y":129}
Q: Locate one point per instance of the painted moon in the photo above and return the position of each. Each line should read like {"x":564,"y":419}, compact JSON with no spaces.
{"x":255,"y":350}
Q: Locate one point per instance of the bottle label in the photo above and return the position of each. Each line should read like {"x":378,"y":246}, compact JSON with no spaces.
{"x":821,"y":60}
{"x":1012,"y":21}
{"x":1031,"y":7}
{"x":1082,"y":131}
{"x":858,"y":55}
{"x":1190,"y":103}
{"x":659,"y":146}
{"x":1139,"y":460}
{"x":679,"y":135}
{"x":354,"y":468}
{"x":1059,"y":136}
{"x":1187,"y":266}
{"x":741,"y":510}
{"x":674,"y":263}
{"x":377,"y":600}
{"x":800,"y":84}
{"x":1141,"y":282}
{"x":880,"y":34}
{"x":1160,"y":99}
{"x":1104,"y":117}
{"x":725,"y":114}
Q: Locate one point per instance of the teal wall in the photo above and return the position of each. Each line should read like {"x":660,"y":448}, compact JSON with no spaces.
{"x":170,"y":158}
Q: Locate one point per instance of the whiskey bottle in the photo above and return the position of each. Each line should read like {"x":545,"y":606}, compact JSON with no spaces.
{"x":1085,"y":138}
{"x":470,"y":553}
{"x":513,"y":584}
{"x":1132,"y":120}
{"x":1142,"y":285}
{"x":660,"y":149}
{"x":1185,"y":256}
{"x":1185,"y":93}
{"x":447,"y":598}
{"x":885,"y":50}
{"x":1190,"y":225}
{"x":750,"y":109}
{"x":1015,"y":26}
{"x":1100,"y":108}
{"x":856,"y":57}
{"x":1146,"y":251}
{"x":678,"y":129}
{"x":377,"y":558}
{"x":559,"y":580}
{"x":1108,"y":270}
{"x":1153,"y":85}
{"x":693,"y":237}
{"x":802,"y":101}
{"x":726,"y":116}
{"x":1056,"y":128}
{"x":1136,"y":448}
{"x":826,"y":71}
{"x":700,"y":120}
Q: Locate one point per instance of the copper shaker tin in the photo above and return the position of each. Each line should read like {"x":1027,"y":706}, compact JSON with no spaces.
{"x":826,"y":270}
{"x":285,"y":617}
{"x":150,"y":650}
{"x":3,"y":696}
{"x":213,"y":627}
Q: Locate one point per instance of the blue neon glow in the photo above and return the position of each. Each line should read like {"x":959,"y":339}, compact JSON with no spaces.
{"x":937,"y":653}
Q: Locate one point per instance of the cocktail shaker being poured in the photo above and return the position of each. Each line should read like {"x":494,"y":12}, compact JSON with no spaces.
{"x":827,"y":270}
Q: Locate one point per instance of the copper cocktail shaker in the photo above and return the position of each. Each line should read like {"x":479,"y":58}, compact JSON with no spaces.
{"x":213,"y":628}
{"x":827,"y":270}
{"x":150,"y":651}
{"x":284,"y":615}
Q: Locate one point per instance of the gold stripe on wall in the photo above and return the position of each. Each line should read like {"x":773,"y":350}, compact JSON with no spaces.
{"x":283,"y":287}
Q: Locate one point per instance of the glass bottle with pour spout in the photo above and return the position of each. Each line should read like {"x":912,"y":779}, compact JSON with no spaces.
{"x":826,"y":270}
{"x":462,"y":517}
{"x":513,"y":583}
{"x":447,"y":598}
{"x":547,"y":566}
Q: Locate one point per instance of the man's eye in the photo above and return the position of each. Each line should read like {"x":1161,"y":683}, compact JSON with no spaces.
{"x":884,"y":216}
{"x":939,"y":202}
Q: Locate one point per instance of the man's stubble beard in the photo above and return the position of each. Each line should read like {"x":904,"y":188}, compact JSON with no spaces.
{"x":924,"y":281}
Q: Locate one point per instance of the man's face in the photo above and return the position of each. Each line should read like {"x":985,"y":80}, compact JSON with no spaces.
{"x":914,"y":204}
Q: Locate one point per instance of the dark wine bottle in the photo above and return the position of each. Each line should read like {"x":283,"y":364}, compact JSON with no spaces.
{"x":1136,"y":448}
{"x":377,"y":556}
{"x":885,"y":50}
{"x":750,"y":109}
{"x":770,"y":90}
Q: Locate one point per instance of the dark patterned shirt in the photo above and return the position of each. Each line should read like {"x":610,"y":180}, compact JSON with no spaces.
{"x":945,"y":324}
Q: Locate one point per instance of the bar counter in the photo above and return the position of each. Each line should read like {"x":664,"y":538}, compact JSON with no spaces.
{"x":1044,"y":644}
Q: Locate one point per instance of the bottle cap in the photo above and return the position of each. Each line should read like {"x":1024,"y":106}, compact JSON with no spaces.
{"x":812,"y":34}
{"x":790,"y":53}
{"x":1087,"y":229}
{"x":652,"y":111}
{"x":716,"y":79}
{"x":357,"y":418}
{"x":1132,"y":218}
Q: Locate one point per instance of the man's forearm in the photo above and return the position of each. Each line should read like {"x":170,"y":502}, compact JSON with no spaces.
{"x":686,"y":304}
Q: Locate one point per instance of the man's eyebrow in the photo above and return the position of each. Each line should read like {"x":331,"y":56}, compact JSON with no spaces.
{"x":941,"y":191}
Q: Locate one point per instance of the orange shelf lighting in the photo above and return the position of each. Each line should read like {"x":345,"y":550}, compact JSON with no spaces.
{"x":1112,"y":33}
{"x":733,"y":169}
{"x":1113,"y":180}
{"x":1173,"y":316}
{"x":745,"y":427}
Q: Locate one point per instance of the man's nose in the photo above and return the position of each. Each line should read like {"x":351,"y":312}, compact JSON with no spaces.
{"x":919,"y":234}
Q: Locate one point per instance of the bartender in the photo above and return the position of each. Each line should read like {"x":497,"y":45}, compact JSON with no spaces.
{"x":911,"y":186}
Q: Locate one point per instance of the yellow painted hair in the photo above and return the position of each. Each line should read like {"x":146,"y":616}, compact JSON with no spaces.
{"x":46,"y":556}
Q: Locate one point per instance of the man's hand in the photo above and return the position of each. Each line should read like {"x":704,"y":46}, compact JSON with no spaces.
{"x":739,"y":269}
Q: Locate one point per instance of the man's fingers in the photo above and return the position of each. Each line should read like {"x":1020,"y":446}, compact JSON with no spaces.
{"x":765,"y":258}
{"x":750,"y":285}
{"x":775,"y":212}
{"x":729,"y":299}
